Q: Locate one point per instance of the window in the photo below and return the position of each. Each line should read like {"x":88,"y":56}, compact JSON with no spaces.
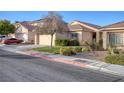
{"x":116,"y":38}
{"x":74,"y":35}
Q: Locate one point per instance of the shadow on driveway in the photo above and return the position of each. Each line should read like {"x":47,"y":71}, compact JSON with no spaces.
{"x":11,"y":55}
{"x":18,"y":56}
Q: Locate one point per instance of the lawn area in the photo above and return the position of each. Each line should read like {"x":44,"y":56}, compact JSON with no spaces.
{"x":54,"y":50}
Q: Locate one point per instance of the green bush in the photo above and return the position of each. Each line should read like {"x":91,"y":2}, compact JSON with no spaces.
{"x":85,"y":43}
{"x":93,"y":45}
{"x":85,"y":49}
{"x":67,"y":51}
{"x":115,"y":59}
{"x":121,"y":52}
{"x":116,"y":51}
{"x":61,"y":42}
{"x":112,"y":50}
{"x":73,"y":42}
{"x":99,"y":45}
{"x":77,"y":49}
{"x":66,"y":42}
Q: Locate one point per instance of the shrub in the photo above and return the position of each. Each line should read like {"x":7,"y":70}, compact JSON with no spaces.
{"x":66,"y":42}
{"x":67,"y":51}
{"x":99,"y":45}
{"x":56,"y":52}
{"x":115,"y":59}
{"x":99,"y":48}
{"x":121,"y":52}
{"x":61,"y":42}
{"x":113,"y":50}
{"x":73,"y":42}
{"x":77,"y":49}
{"x":85,"y":43}
{"x":116,"y":51}
{"x":85,"y":49}
{"x":110,"y":50}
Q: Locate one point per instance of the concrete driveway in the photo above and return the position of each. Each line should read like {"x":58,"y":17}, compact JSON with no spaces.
{"x":19,"y":47}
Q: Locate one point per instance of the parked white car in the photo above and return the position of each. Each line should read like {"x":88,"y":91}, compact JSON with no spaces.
{"x":3,"y":37}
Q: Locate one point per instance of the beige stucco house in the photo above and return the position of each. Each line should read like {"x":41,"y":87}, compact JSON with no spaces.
{"x":26,"y":31}
{"x":84,"y":31}
{"x":113,"y":35}
{"x":81,"y":31}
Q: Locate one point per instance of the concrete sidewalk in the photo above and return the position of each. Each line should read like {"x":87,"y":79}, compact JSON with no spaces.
{"x":81,"y":62}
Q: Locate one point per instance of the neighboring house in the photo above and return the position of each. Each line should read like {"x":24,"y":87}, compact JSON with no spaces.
{"x":83,"y":31}
{"x":25,"y":32}
{"x":113,"y":35}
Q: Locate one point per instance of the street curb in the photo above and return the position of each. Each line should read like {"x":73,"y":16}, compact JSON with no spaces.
{"x":74,"y":63}
{"x":61,"y":60}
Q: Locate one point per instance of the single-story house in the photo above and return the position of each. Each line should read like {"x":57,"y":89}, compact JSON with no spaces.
{"x":81,"y":31}
{"x":24,"y":31}
{"x":113,"y":35}
{"x":84,"y":31}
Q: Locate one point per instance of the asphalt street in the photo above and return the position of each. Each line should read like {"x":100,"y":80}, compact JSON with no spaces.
{"x":22,"y":68}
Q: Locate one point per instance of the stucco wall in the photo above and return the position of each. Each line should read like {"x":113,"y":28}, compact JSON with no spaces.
{"x":84,"y":36}
{"x":21,"y":29}
{"x":46,"y":40}
{"x":31,"y":36}
{"x":11,"y":36}
{"x":87,"y":36}
{"x":61,"y":36}
{"x":106,"y":38}
{"x":22,"y":33}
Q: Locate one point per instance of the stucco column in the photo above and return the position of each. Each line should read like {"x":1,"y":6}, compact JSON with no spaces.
{"x":105,"y":40}
{"x":97,"y":37}
{"x":36,"y":39}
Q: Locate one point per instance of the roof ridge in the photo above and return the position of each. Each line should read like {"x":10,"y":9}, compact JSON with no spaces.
{"x":89,"y":24}
{"x":113,"y":24}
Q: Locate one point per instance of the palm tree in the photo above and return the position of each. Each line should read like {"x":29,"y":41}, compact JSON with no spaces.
{"x":52,"y":23}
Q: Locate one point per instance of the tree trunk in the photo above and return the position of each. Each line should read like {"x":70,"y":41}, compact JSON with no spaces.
{"x":51,"y":40}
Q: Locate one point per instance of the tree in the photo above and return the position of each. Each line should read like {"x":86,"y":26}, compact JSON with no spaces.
{"x":52,"y":23}
{"x":6,"y":27}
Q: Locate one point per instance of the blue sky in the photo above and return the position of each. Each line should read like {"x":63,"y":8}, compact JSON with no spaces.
{"x":97,"y":17}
